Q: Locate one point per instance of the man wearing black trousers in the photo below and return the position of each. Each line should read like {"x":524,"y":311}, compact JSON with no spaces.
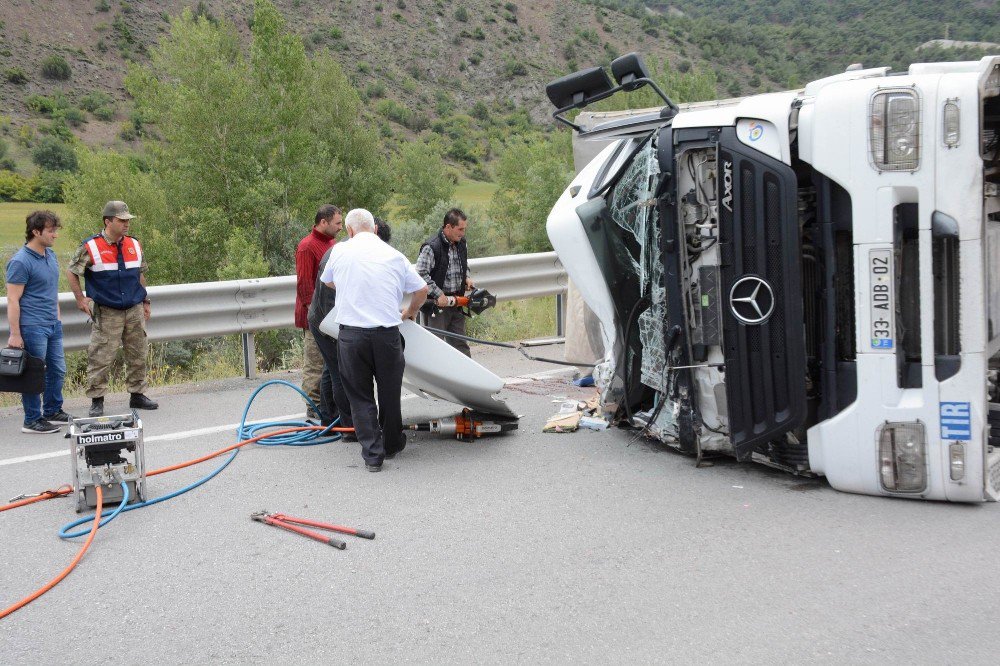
{"x":333,"y":398}
{"x":371,"y":279}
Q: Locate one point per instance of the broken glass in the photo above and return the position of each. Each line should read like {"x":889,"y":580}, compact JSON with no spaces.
{"x":633,"y":208}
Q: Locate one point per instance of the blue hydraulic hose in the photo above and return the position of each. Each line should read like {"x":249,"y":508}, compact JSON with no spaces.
{"x":106,"y":517}
{"x":304,"y":438}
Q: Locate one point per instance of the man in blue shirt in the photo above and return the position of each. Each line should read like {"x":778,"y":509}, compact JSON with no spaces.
{"x":33,"y":314}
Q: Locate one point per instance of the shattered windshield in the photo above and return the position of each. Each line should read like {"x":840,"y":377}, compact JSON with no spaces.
{"x":633,"y":208}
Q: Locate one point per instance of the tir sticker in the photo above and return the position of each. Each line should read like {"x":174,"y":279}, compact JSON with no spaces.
{"x":956,"y":420}
{"x":756,"y":131}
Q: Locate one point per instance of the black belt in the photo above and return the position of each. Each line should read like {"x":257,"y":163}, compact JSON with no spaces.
{"x":372,"y":328}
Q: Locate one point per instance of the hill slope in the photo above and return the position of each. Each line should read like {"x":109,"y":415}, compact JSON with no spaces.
{"x":417,"y":52}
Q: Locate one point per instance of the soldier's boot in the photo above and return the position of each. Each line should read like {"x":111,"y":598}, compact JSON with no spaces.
{"x":96,"y":407}
{"x":140,"y":401}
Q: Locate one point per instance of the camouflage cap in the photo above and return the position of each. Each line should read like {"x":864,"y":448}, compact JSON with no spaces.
{"x":117,"y":209}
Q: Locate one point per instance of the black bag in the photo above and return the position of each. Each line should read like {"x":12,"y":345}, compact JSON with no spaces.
{"x":31,"y":379}
{"x":12,"y":362}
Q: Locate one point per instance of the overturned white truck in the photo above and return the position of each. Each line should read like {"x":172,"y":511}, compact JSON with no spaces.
{"x":808,"y":279}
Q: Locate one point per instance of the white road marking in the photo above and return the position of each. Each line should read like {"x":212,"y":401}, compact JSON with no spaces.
{"x":187,"y":434}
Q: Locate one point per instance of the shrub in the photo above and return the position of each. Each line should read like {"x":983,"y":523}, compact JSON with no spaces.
{"x":105,"y":113}
{"x":55,"y":155}
{"x":103,"y":6}
{"x":49,"y":186}
{"x":40,"y":104}
{"x":55,"y":67}
{"x":15,"y":75}
{"x":15,"y":187}
{"x":514,"y":68}
{"x":74,"y":116}
{"x":94,"y":100}
{"x":461,"y":14}
{"x":478,"y":34}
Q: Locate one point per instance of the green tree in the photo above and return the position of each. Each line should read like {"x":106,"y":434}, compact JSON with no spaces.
{"x":531,"y":175}
{"x":421,"y":179}
{"x":53,"y":154}
{"x":261,"y":138}
{"x":243,"y":258}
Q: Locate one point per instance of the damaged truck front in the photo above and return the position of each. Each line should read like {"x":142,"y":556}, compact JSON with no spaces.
{"x":808,"y":279}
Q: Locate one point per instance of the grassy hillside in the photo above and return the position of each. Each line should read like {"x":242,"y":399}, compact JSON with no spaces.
{"x":794,"y":41}
{"x":414,"y":61}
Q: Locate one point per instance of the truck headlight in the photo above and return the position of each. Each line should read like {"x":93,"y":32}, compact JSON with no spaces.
{"x":902,"y":449}
{"x":894,"y":130}
{"x":956,"y":453}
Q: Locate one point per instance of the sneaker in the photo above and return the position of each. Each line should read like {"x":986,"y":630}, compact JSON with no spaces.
{"x":60,"y":418}
{"x":96,"y":407}
{"x":140,"y":401}
{"x":374,"y":468}
{"x":40,"y":427}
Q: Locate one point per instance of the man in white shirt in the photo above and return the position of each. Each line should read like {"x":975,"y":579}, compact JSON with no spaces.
{"x":371,"y":278}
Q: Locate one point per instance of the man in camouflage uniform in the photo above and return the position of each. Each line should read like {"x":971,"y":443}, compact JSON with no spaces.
{"x":113,"y":266}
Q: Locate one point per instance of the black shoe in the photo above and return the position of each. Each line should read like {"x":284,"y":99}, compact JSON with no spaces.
{"x":60,"y":418}
{"x":140,"y":401}
{"x":374,"y":468}
{"x":43,"y":427}
{"x":96,"y":407}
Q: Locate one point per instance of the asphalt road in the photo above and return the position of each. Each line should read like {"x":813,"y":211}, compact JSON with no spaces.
{"x":552,"y":548}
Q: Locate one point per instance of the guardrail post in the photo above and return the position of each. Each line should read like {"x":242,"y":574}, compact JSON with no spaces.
{"x":249,"y":356}
{"x":560,"y":316}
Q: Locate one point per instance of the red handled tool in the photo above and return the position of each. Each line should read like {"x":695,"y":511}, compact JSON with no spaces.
{"x":292,"y":524}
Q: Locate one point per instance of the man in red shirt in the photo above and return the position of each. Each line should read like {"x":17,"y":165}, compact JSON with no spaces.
{"x":329,"y":222}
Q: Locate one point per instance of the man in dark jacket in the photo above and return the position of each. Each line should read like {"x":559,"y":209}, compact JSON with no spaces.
{"x":443,"y":263}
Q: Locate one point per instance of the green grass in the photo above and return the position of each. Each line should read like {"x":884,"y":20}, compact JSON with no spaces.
{"x":12,"y":217}
{"x":474,"y":192}
{"x":12,"y":235}
{"x":467,"y":193}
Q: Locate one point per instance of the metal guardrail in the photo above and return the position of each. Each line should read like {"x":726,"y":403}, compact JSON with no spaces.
{"x":208,"y":309}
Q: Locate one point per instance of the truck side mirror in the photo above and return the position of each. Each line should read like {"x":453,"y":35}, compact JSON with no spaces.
{"x":628,"y":70}
{"x":579,"y":88}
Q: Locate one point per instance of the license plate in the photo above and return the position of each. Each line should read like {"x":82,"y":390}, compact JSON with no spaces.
{"x":880,"y":297}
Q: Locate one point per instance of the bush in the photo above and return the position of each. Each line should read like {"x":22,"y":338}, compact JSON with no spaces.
{"x":15,"y":187}
{"x":55,"y":67}
{"x":104,"y":113}
{"x":74,"y":116}
{"x":49,"y":186}
{"x":15,"y":75}
{"x":95,"y":100}
{"x":103,"y":6}
{"x":513,"y":68}
{"x":55,"y":155}
{"x":41,"y":104}
{"x":461,"y":14}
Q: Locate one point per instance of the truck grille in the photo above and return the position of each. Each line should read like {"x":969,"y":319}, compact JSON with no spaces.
{"x":759,"y":242}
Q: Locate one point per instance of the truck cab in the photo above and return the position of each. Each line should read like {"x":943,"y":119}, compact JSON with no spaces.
{"x":807,"y":279}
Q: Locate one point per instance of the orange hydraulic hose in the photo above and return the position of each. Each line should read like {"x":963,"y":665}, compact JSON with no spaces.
{"x":42,"y":496}
{"x":209,"y":456}
{"x":65,"y":572}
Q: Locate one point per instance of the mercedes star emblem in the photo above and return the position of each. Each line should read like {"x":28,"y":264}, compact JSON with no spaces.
{"x":752,"y":300}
